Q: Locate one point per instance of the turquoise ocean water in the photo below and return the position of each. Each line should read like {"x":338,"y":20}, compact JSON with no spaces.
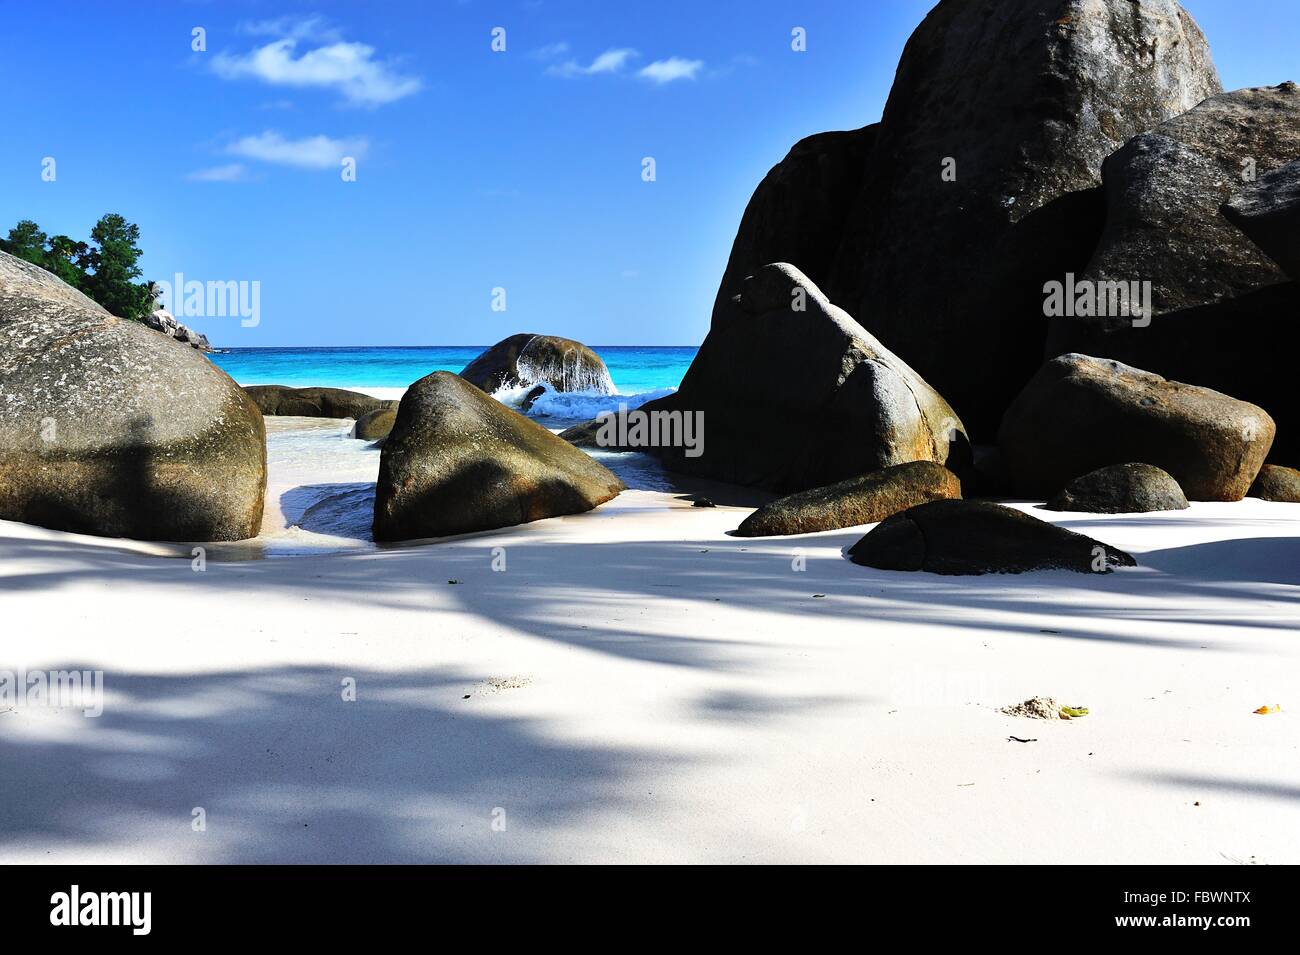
{"x":635,"y":369}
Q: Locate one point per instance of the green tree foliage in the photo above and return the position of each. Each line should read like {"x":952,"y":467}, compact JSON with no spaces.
{"x":107,"y":268}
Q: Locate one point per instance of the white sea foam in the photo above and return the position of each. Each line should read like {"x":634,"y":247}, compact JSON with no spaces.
{"x":575,"y":405}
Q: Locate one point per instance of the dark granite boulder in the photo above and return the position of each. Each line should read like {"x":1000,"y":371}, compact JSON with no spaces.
{"x":978,"y":537}
{"x":527,"y":359}
{"x":374,"y":425}
{"x":457,"y":460}
{"x":1121,"y":489}
{"x":791,"y":393}
{"x":866,"y":499}
{"x":1079,"y":414}
{"x":314,"y":402}
{"x":982,"y":184}
{"x":1276,"y":483}
{"x":1268,"y":211}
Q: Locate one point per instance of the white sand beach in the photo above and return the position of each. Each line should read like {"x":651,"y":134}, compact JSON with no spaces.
{"x":636,"y":685}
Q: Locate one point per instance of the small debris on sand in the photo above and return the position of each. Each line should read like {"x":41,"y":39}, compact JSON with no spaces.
{"x":1037,"y":708}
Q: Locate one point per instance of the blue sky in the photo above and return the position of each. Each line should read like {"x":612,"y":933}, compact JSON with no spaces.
{"x":475,"y":170}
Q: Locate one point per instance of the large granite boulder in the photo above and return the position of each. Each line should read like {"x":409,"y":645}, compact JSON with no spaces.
{"x":458,"y":460}
{"x":1268,"y":211}
{"x":983,"y":181}
{"x":979,"y":537}
{"x":866,"y":499}
{"x":1121,"y":489}
{"x":314,"y":402}
{"x":1080,"y":413}
{"x":791,"y":393}
{"x":108,"y":428}
{"x":1220,"y":305}
{"x":1166,"y":187}
{"x":527,"y":359}
{"x":797,"y":213}
{"x":1276,"y":483}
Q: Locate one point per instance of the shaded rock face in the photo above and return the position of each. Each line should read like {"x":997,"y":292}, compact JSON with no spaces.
{"x":108,"y":428}
{"x":793,"y":394}
{"x":1276,"y":483}
{"x":1166,"y":187}
{"x":1121,"y":489}
{"x":314,"y":402}
{"x":797,"y":213}
{"x":1079,"y":414}
{"x":1027,"y":98}
{"x":375,"y":424}
{"x":527,"y":359}
{"x":978,"y":537}
{"x":1268,"y":212}
{"x":1221,"y":306}
{"x":162,"y":321}
{"x":1240,"y":346}
{"x":458,"y":460}
{"x":866,"y":499}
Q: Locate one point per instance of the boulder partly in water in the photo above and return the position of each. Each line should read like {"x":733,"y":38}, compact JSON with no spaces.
{"x":457,"y":460}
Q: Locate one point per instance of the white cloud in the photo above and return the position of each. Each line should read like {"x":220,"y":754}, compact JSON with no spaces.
{"x":348,"y":68}
{"x":673,"y":68}
{"x":312,"y":28}
{"x":312,"y":152}
{"x":234,"y":172}
{"x":550,"y":51}
{"x":611,"y":61}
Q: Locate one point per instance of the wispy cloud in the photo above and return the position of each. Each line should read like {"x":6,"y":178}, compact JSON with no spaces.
{"x":312,"y":152}
{"x":550,"y":51}
{"x":350,"y":69}
{"x":314,"y":28}
{"x":673,"y":68}
{"x":233,"y":172}
{"x":611,"y":61}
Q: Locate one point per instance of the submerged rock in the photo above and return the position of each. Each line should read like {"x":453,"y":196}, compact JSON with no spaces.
{"x":108,"y":428}
{"x":527,"y":359}
{"x":314,"y":402}
{"x":457,"y":460}
{"x":978,"y":537}
{"x":1080,"y":413}
{"x":1276,"y":483}
{"x":1121,"y":489}
{"x":1268,"y":212}
{"x":866,"y":499}
{"x":791,"y":393}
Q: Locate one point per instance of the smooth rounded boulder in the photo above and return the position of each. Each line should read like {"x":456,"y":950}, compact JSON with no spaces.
{"x":790,"y":393}
{"x":1277,"y":483}
{"x":1080,"y":413}
{"x":457,"y":460}
{"x":866,"y":499}
{"x":527,"y":359}
{"x":314,"y":402}
{"x":962,"y":538}
{"x":109,"y":428}
{"x":1121,"y":489}
{"x":375,"y":424}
